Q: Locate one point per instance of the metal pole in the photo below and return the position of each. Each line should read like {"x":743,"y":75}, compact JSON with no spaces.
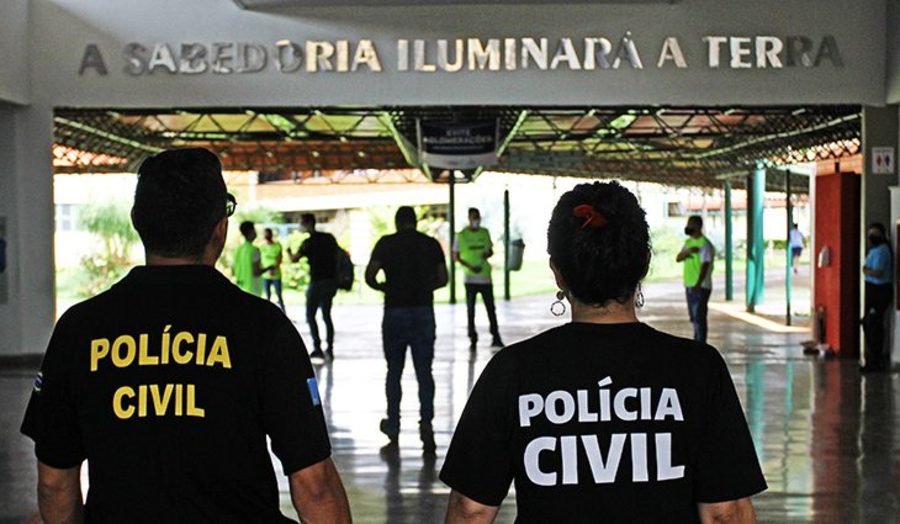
{"x":452,"y":218}
{"x":729,"y":245}
{"x":756,"y":248}
{"x":789,"y":212}
{"x":507,"y":294}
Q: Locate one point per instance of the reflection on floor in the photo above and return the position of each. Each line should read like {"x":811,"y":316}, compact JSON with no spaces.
{"x":829,"y":438}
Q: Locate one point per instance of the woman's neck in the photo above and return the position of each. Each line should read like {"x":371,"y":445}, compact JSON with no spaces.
{"x":612,"y":313}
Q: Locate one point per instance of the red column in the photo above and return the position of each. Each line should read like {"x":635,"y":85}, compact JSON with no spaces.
{"x":837,"y":282}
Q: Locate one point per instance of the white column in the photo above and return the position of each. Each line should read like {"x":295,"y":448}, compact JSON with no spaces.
{"x":26,"y":203}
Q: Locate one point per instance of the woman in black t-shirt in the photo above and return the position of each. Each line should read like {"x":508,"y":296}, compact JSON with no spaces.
{"x":603,"y":419}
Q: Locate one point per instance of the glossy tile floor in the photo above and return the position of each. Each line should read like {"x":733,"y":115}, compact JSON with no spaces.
{"x":828,"y":438}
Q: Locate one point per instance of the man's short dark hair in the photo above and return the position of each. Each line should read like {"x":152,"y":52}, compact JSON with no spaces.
{"x":308,"y":218}
{"x":405,"y":216}
{"x":696,"y":218}
{"x":180,"y":197}
{"x":247,"y":227}
{"x":474,"y":210}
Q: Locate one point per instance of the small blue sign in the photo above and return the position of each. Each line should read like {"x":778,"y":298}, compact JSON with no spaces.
{"x":314,"y":391}
{"x":38,"y":382}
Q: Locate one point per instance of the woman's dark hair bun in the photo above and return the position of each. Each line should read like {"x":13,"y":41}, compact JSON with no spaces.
{"x":602,"y":256}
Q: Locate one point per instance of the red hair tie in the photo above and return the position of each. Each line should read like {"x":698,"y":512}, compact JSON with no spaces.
{"x":593,"y":219}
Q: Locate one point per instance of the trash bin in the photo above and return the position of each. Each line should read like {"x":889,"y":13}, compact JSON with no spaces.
{"x":516,"y":251}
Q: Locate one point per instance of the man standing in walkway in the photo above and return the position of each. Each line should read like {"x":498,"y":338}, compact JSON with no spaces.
{"x":322,"y":252}
{"x":879,"y":277}
{"x":697,"y":256}
{"x":270,"y":255}
{"x":248,"y":262}
{"x":414,"y":266}
{"x":472,"y":249}
{"x":170,"y":382}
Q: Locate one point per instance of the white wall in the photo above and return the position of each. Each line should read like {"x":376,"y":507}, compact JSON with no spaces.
{"x":14,"y":53}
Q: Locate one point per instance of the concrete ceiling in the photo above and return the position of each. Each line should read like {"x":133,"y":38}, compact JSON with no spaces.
{"x":266,"y":4}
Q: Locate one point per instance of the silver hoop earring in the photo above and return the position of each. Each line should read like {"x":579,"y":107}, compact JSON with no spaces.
{"x":558,"y":308}
{"x":639,"y":300}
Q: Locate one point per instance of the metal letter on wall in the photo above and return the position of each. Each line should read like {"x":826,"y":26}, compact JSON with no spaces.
{"x":4,"y":283}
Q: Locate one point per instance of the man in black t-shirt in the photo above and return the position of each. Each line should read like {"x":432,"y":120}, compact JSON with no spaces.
{"x":323,"y":254}
{"x":169,"y":383}
{"x":414,"y":266}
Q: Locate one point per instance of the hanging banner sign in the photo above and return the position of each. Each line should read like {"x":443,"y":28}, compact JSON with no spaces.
{"x":458,"y":145}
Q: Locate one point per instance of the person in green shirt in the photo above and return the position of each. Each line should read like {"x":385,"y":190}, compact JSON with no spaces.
{"x":247,"y":262}
{"x":697,"y":256}
{"x":472,"y":249}
{"x":270,"y":256}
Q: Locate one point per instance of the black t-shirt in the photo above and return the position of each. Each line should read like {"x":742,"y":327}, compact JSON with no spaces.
{"x":168,"y":385}
{"x":320,"y":249}
{"x":604,"y":423}
{"x":410,"y":261}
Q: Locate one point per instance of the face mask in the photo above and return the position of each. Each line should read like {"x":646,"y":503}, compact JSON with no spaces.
{"x":476,"y":223}
{"x":876,"y":240}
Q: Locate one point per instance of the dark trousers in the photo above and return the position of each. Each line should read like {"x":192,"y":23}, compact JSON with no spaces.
{"x":878,"y":300}
{"x":411,"y":327}
{"x":320,"y":295}
{"x":487,"y":294}
{"x":698,"y":309}
{"x":268,"y":285}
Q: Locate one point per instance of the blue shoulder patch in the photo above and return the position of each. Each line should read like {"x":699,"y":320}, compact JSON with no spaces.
{"x":38,"y":382}
{"x":313,"y":386}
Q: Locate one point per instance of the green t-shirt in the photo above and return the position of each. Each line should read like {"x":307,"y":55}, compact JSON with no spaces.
{"x":244,"y":257}
{"x":472,"y":245}
{"x":269,"y":257}
{"x":695,"y":261}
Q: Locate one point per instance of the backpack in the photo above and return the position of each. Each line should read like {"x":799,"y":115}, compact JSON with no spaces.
{"x":345,"y":272}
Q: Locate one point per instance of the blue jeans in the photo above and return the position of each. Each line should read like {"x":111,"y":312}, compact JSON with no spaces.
{"x":698,"y":308}
{"x":268,"y":284}
{"x":411,"y":327}
{"x":320,"y":295}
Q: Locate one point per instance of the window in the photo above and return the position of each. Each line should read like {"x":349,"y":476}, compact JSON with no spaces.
{"x":66,"y":218}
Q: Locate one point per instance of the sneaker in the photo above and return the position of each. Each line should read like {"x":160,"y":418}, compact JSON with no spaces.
{"x":497,"y":343}
{"x":392,"y":432}
{"x":426,"y":433}
{"x":317,"y":355}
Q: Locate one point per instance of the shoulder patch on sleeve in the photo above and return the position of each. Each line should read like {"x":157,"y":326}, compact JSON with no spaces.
{"x":38,"y":382}
{"x":313,"y":386}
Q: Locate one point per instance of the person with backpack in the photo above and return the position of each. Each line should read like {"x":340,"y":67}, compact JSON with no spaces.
{"x":324,"y":256}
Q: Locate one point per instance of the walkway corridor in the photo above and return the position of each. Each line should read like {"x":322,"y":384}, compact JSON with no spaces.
{"x":828,"y":438}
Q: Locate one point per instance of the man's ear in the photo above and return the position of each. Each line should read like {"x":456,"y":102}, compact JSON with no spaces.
{"x":221,"y":230}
